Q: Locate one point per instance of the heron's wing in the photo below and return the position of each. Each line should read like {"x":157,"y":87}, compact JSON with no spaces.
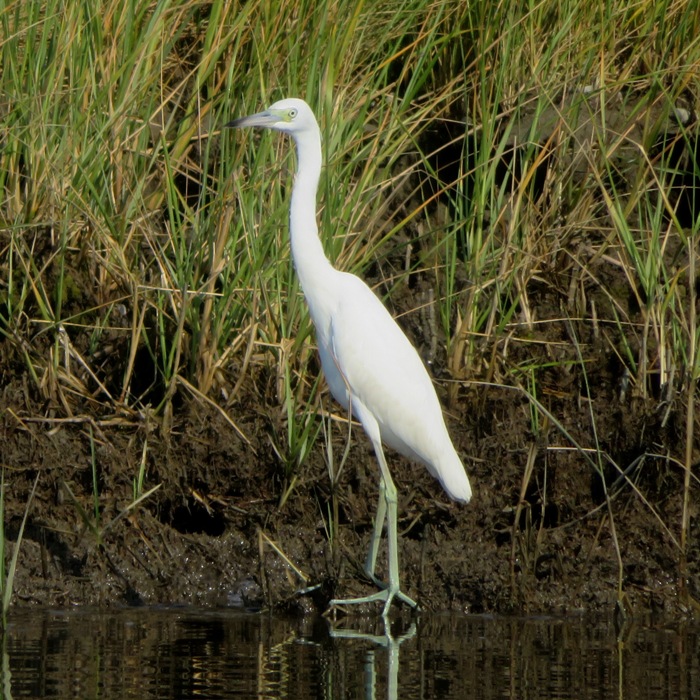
{"x":383,"y":370}
{"x":386,"y":379}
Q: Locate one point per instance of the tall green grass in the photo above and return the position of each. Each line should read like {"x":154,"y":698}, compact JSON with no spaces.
{"x":128,"y":216}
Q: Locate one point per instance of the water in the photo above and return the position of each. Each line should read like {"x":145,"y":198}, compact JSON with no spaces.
{"x":186,"y":653}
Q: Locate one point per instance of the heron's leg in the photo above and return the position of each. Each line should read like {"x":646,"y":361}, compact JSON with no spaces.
{"x":392,"y":536}
{"x":371,"y":561}
{"x":392,"y":590}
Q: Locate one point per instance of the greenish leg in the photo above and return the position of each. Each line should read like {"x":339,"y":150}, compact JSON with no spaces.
{"x":386,"y":508}
{"x":371,"y":562}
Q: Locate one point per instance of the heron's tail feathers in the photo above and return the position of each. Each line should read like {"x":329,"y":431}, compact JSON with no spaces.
{"x":453,"y":477}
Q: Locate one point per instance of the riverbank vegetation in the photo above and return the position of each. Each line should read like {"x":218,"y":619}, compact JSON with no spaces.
{"x":520,"y":185}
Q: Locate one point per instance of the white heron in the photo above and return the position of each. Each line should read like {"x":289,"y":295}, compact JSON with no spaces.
{"x":371,"y":367}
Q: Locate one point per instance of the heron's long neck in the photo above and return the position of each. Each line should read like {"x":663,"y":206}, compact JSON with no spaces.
{"x":307,"y":252}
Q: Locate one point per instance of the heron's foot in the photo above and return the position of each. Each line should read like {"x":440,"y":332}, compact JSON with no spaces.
{"x":387,"y":595}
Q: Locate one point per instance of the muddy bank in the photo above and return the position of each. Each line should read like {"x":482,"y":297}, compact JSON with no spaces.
{"x":538,"y":536}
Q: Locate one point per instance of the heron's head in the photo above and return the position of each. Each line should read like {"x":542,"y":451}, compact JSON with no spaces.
{"x":291,"y":115}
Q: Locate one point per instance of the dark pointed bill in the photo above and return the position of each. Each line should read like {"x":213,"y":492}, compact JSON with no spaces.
{"x":265,"y":118}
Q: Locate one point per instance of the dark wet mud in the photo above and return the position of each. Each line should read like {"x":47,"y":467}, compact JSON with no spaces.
{"x":540,"y":534}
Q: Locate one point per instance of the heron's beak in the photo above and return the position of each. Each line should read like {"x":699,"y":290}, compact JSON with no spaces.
{"x":266,"y":118}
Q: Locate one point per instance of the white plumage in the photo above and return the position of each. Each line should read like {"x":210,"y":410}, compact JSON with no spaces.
{"x":370,"y":365}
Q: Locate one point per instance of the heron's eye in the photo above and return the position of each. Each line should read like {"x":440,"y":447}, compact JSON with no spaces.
{"x":292,"y":113}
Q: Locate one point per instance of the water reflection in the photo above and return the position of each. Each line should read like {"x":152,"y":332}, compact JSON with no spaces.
{"x":186,"y":653}
{"x":390,"y":644}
